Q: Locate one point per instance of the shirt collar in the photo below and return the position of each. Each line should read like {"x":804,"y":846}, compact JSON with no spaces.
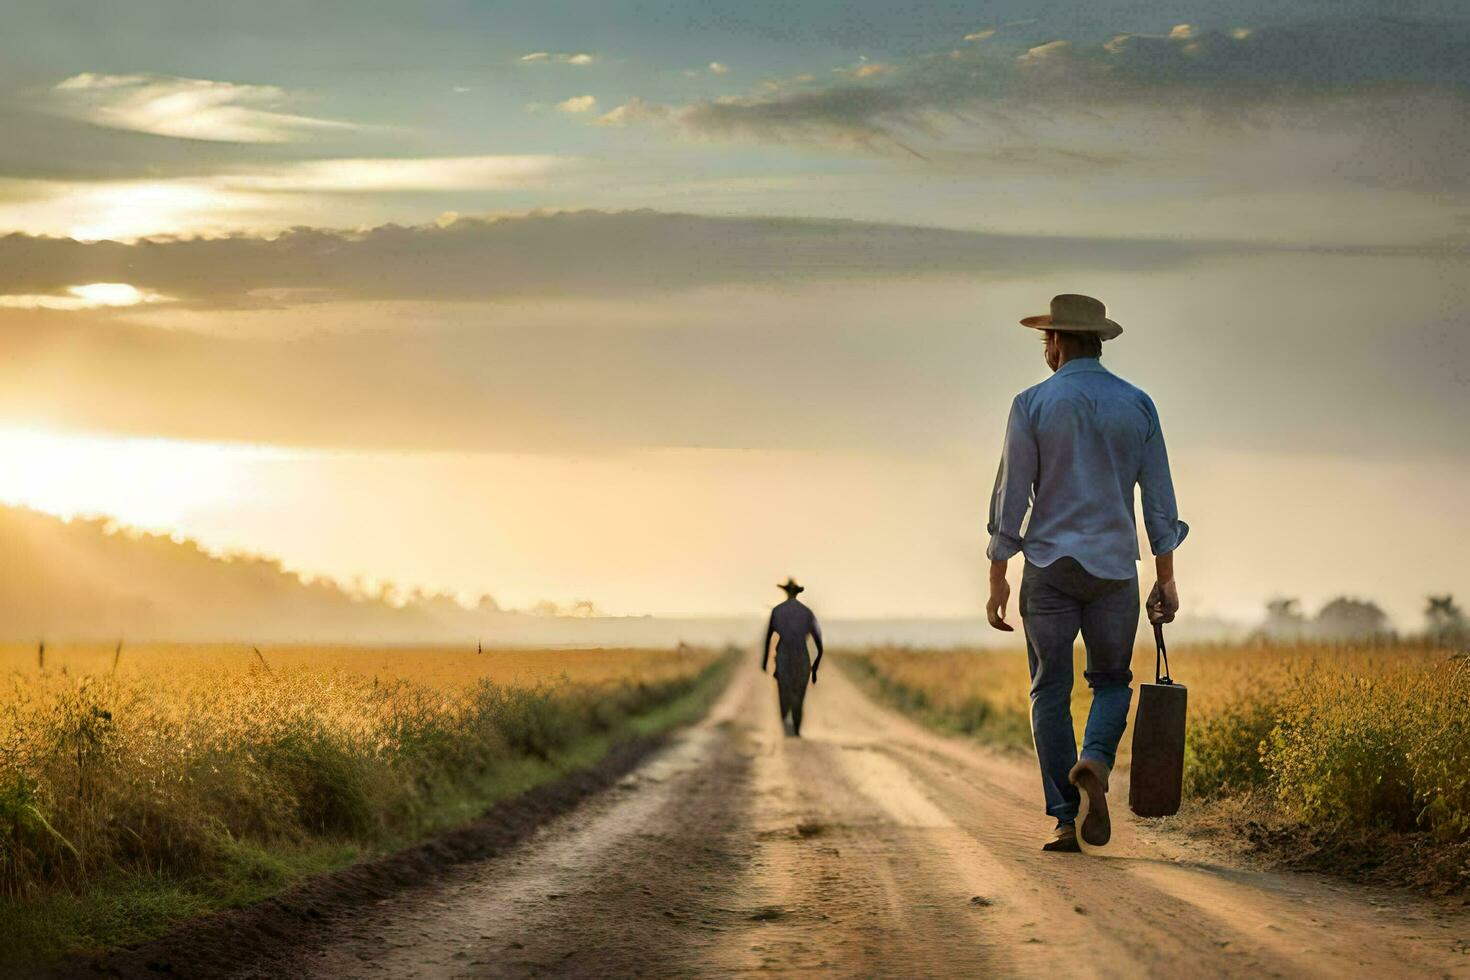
{"x":1080,"y":364}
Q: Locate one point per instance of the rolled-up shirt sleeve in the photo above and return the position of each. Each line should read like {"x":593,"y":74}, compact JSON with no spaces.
{"x":1013,"y":485}
{"x":1160,"y":510}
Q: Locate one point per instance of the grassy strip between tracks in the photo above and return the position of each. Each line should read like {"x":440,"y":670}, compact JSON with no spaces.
{"x":1351,"y":761}
{"x":156,"y":827}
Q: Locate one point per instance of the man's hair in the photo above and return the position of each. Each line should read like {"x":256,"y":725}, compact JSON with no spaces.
{"x":1079,"y":344}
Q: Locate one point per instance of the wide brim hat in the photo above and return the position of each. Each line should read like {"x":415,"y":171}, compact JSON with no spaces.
{"x":791,"y":587}
{"x":1075,"y":313}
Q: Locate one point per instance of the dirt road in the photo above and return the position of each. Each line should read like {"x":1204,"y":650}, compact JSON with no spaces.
{"x":871,"y":847}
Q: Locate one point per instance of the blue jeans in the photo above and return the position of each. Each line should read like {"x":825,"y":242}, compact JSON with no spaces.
{"x":1057,"y":601}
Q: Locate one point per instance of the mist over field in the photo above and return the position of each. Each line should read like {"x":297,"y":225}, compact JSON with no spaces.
{"x":92,"y":579}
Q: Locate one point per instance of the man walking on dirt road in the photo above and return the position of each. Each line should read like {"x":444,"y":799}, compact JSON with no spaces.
{"x":792,"y":622}
{"x":1076,"y":445}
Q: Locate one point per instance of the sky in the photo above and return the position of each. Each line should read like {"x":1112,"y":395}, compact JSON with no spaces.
{"x":655,"y":303}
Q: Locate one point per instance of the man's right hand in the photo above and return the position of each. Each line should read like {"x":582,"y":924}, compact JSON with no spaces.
{"x":1163,"y":602}
{"x":995,"y":606}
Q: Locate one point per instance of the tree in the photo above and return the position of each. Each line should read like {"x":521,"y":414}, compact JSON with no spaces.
{"x":1345,"y":620}
{"x":1284,"y":620}
{"x":1444,"y":622}
{"x":583,"y":609}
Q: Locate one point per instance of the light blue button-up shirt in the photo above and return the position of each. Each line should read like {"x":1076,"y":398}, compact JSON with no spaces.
{"x":1076,"y":445}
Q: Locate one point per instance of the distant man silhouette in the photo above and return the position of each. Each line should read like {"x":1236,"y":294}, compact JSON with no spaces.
{"x":792,"y":622}
{"x":1076,"y":445}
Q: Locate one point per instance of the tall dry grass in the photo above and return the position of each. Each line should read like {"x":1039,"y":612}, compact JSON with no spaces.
{"x":168,"y":761}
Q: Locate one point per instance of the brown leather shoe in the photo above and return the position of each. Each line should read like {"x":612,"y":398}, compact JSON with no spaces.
{"x":1065,"y":840}
{"x":1091,"y":777}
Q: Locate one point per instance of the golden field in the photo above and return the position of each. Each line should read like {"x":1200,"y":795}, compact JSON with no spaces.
{"x":1341,"y":740}
{"x":208,"y":775}
{"x":434,"y":666}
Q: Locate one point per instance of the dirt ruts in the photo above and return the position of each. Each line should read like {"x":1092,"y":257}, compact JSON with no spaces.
{"x":254,"y":940}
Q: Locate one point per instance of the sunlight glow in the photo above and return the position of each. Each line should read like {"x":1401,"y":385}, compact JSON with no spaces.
{"x":90,"y":296}
{"x":128,"y":210}
{"x":148,"y":483}
{"x":124,"y":210}
{"x":251,"y":199}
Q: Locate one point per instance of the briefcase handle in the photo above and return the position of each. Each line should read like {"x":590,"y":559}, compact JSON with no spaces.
{"x":1161,"y":656}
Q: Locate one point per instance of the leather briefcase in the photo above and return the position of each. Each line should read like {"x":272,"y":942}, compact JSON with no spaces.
{"x":1156,"y":780}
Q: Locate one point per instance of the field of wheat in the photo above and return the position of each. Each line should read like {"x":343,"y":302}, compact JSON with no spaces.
{"x":213,"y":775}
{"x":1372,"y":740}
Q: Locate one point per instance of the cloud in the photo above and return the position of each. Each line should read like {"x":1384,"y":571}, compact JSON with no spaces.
{"x":636,"y":111}
{"x":1041,"y":53}
{"x":562,"y":254}
{"x":858,"y":115}
{"x":186,"y":108}
{"x":718,"y":68}
{"x":393,"y":174}
{"x":1362,"y":76}
{"x":90,"y":296}
{"x":981,"y":35}
{"x":671,"y":330}
{"x":131,"y":209}
{"x":578,"y":58}
{"x":578,"y":103}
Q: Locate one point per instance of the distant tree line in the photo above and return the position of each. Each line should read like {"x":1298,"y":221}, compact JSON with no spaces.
{"x":1349,"y":620}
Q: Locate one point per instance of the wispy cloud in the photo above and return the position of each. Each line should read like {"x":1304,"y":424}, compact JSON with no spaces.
{"x":579,"y":58}
{"x":187,"y":108}
{"x":394,"y":174}
{"x":248,"y":198}
{"x":1042,"y":53}
{"x":576,"y":253}
{"x":1341,"y":72}
{"x":869,"y":69}
{"x":718,"y":68}
{"x":852,"y":114}
{"x":578,"y":103}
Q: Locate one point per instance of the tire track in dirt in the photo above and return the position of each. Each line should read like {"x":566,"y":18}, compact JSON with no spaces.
{"x":628,"y":886}
{"x":253,"y":940}
{"x":847,"y":863}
